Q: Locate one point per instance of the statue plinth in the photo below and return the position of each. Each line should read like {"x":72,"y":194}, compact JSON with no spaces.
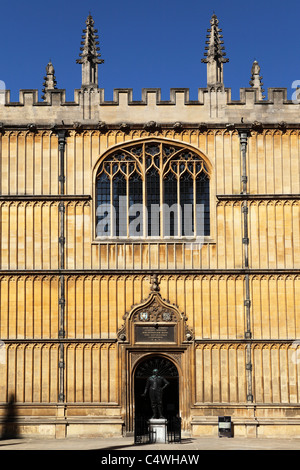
{"x":158,"y":426}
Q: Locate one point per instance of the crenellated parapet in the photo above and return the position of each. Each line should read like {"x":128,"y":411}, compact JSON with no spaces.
{"x":89,"y":106}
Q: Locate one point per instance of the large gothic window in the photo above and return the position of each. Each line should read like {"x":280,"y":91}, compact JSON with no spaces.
{"x":152,"y":189}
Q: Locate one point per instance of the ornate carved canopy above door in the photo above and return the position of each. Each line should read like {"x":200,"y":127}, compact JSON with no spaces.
{"x":155,"y":321}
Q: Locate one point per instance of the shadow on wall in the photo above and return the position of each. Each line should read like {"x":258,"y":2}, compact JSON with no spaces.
{"x":9,"y":424}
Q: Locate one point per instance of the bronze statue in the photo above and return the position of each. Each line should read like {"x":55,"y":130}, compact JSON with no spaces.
{"x":156,"y":384}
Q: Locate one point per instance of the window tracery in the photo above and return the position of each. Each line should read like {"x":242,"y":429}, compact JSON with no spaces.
{"x":152,"y":189}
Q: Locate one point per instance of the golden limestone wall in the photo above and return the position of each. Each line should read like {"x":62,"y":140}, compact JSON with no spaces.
{"x":29,"y":166}
{"x":206,"y":283}
{"x":29,"y":161}
{"x":95,"y":306}
{"x":29,"y":239}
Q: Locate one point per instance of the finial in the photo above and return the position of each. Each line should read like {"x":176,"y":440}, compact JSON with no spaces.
{"x":90,"y":55}
{"x":49,"y":80}
{"x":255,"y":81}
{"x":215,"y":55}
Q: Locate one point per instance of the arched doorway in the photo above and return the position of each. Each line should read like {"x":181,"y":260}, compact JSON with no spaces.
{"x":167,"y":369}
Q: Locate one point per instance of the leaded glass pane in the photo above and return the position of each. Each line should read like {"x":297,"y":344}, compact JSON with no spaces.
{"x":136,"y":224}
{"x":202,"y":198}
{"x":120,"y":205}
{"x":187,"y":204}
{"x":153,"y":202}
{"x":103,"y":215}
{"x":171,"y":201}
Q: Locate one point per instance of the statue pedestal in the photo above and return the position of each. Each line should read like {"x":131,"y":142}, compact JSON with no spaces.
{"x":159,"y":429}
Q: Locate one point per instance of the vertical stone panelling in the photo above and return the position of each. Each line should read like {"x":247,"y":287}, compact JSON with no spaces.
{"x":220,"y":235}
{"x":274,"y":234}
{"x":13,"y":163}
{"x":88,"y":308}
{"x":276,"y":373}
{"x":273,"y":240}
{"x":296,"y":232}
{"x":104,"y":373}
{"x":28,"y":307}
{"x":113,"y":374}
{"x":113,"y":306}
{"x":254,"y":238}
{"x":4,"y":174}
{"x":286,"y":163}
{"x":4,"y":235}
{"x":79,"y":163}
{"x":70,"y":232}
{"x":70,"y":155}
{"x":198,"y":316}
{"x":227,"y":158}
{"x":278,"y":163}
{"x":273,"y":162}
{"x":220,"y":373}
{"x":87,"y":167}
{"x":269,"y":162}
{"x":29,"y":235}
{"x":37,"y":163}
{"x":295,"y":162}
{"x":29,"y":163}
{"x":70,"y":375}
{"x":87,"y":373}
{"x":219,"y":162}
{"x":229,"y":237}
{"x":262,"y":161}
{"x":30,"y":373}
{"x":274,"y":306}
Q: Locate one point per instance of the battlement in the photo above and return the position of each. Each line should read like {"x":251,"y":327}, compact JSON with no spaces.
{"x":89,"y":106}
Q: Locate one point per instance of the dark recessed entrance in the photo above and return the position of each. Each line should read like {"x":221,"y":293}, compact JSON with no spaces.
{"x":169,"y":371}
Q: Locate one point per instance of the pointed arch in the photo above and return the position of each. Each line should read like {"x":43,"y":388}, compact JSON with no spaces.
{"x":171,"y":189}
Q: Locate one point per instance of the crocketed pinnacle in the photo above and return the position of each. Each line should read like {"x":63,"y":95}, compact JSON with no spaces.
{"x":256,"y":80}
{"x":215,"y":55}
{"x":89,"y":56}
{"x":49,"y":80}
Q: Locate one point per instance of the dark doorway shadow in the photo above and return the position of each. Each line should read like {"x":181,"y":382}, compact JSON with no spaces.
{"x":171,"y":395}
{"x":10,"y":425}
{"x":169,"y":407}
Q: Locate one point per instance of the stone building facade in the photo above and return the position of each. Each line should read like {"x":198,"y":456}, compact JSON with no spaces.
{"x":86,"y":314}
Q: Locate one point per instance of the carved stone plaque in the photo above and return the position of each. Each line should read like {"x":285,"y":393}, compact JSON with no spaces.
{"x":155,"y":333}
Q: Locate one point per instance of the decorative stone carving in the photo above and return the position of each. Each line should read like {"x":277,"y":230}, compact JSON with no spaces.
{"x":151,"y":126}
{"x":124,"y":127}
{"x":156,"y":311}
{"x":102,"y":126}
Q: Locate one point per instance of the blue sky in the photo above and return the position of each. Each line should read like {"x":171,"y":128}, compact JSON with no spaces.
{"x":157,"y":43}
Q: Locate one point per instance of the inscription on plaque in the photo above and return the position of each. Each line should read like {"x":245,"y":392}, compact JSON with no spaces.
{"x":155,"y":333}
